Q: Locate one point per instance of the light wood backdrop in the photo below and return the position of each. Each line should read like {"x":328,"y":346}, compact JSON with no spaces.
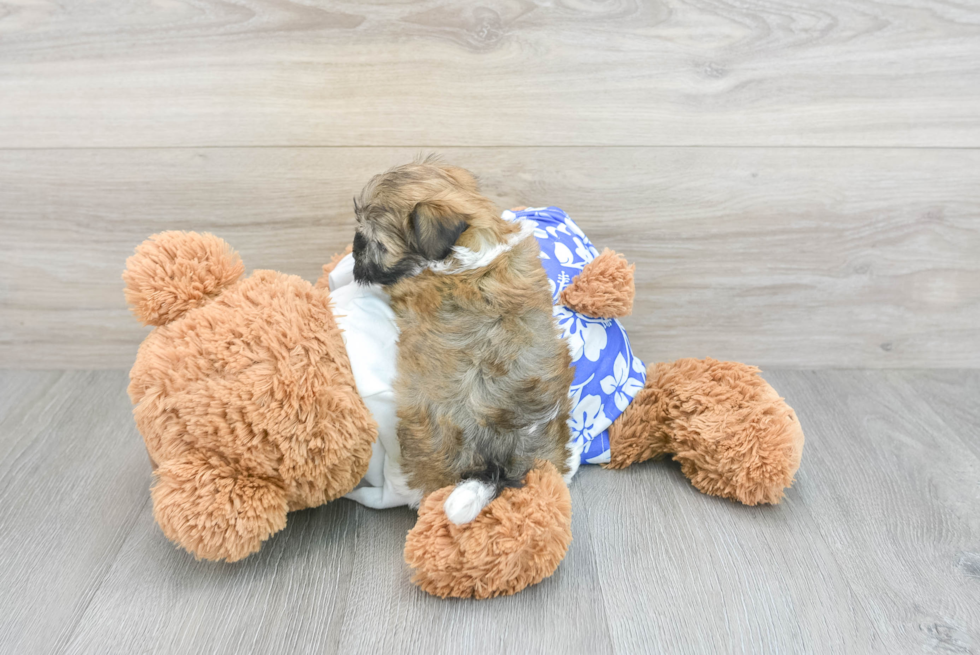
{"x":798,"y":182}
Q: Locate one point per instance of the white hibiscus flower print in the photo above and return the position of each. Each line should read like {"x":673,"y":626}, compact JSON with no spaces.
{"x":538,"y":232}
{"x":553,"y":230}
{"x":573,"y":227}
{"x":575,"y":392}
{"x":565,"y":257}
{"x":594,"y":336}
{"x":586,"y":253}
{"x":563,"y":254}
{"x":620,"y":385}
{"x":586,"y":415}
{"x":638,"y":366}
{"x":585,"y":337}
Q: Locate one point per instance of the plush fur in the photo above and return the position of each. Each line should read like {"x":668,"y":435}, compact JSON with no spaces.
{"x":170,"y":274}
{"x":494,"y":555}
{"x":245,"y":399}
{"x":604,"y":288}
{"x":730,"y":431}
{"x":483,"y":376}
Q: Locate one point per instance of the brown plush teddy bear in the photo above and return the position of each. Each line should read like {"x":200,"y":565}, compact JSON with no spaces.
{"x":246,"y":399}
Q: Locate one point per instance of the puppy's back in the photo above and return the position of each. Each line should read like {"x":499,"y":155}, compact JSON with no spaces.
{"x":483,"y":377}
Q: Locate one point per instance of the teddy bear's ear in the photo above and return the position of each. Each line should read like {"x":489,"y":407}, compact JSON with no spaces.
{"x":173,"y":272}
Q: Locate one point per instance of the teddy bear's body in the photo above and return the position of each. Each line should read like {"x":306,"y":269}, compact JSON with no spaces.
{"x":244,"y":396}
{"x":252,"y":405}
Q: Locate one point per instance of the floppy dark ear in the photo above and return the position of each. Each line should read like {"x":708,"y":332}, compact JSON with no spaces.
{"x":436,"y":229}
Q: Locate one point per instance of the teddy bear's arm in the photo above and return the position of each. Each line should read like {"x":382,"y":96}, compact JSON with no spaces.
{"x":604,"y":288}
{"x":324,"y":281}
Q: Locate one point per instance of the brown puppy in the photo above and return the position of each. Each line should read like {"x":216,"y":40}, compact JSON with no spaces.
{"x":483,"y":377}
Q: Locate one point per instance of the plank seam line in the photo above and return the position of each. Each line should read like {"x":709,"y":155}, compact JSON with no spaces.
{"x":70,"y":635}
{"x":595,"y":569}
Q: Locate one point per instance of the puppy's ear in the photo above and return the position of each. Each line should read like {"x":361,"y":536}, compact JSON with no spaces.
{"x":436,"y":229}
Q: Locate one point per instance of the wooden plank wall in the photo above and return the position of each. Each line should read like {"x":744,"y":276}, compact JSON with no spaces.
{"x":798,"y":182}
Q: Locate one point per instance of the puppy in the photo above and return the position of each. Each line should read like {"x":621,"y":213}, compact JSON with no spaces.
{"x":483,"y":377}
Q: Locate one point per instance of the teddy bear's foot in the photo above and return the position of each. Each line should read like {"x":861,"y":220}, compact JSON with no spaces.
{"x":731,"y":432}
{"x":215,"y":509}
{"x":517,"y":540}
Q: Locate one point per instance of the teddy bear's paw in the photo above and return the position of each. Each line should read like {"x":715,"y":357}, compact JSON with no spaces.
{"x":215,"y":509}
{"x":516,"y":541}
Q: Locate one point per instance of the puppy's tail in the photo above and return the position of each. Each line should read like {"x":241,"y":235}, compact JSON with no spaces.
{"x":476,"y":491}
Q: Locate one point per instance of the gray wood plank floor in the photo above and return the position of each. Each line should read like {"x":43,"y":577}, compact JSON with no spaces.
{"x":875,"y":549}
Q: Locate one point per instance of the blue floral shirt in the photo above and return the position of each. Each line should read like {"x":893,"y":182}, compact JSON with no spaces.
{"x":607,"y":375}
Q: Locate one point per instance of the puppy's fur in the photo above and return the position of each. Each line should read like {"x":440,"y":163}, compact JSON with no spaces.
{"x":483,"y":377}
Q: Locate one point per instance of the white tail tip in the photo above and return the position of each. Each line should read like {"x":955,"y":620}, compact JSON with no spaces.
{"x":467,"y":501}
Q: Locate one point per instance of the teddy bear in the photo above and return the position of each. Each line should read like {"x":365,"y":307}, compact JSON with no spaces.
{"x":248,"y":398}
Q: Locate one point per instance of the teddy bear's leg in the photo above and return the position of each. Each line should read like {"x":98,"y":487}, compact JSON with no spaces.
{"x":214,"y":508}
{"x":517,"y":540}
{"x":731,"y":432}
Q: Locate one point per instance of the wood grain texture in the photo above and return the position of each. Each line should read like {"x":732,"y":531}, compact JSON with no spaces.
{"x":334,"y":581}
{"x":502,"y":72}
{"x":953,"y":399}
{"x":744,"y":581}
{"x":73,"y":479}
{"x":896,"y":502}
{"x":874,"y":550}
{"x":774,"y":256}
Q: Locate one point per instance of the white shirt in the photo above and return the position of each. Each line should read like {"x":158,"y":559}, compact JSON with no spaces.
{"x":370,"y":334}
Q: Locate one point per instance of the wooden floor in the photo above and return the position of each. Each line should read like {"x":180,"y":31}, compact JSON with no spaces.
{"x":796,"y":181}
{"x":876,"y":548}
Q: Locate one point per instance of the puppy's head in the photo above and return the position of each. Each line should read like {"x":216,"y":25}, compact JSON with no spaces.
{"x":411,"y":216}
